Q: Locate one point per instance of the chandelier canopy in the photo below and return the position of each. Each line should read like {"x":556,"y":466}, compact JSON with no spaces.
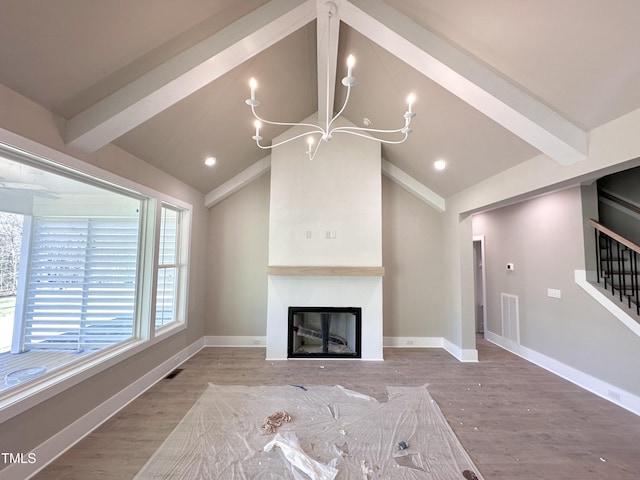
{"x":317,"y":133}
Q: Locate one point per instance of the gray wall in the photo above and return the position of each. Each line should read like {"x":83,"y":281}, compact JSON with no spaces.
{"x":412,"y":257}
{"x":543,"y":237}
{"x":238,"y":248}
{"x":238,"y":243}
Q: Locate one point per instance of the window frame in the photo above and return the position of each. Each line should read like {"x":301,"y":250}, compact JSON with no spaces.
{"x":23,"y":397}
{"x":183,"y":232}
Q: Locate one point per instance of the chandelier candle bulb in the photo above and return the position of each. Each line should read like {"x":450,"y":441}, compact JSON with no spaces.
{"x":257,"y":136}
{"x":410,"y":99}
{"x":253,"y":84}
{"x":350,"y":63}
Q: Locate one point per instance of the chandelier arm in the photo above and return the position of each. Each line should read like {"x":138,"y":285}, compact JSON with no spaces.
{"x":346,"y":100}
{"x":286,"y":124}
{"x":362,"y":129}
{"x":261,"y":146}
{"x":293,"y":138}
{"x":312,"y":156}
{"x":390,"y":142}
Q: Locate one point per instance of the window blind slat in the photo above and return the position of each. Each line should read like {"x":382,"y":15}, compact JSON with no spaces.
{"x":82,"y":283}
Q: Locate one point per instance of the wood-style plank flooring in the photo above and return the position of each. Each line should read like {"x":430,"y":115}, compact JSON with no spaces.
{"x":516,"y":420}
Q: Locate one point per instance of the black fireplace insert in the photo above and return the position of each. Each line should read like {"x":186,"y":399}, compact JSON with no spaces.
{"x":324,"y":332}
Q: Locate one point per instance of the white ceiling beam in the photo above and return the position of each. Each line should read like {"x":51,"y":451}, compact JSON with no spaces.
{"x":413,"y":186}
{"x":186,"y":73}
{"x":328,"y":32}
{"x":468,"y":79}
{"x":235,"y":183}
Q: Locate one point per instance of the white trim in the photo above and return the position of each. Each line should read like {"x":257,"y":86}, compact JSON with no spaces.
{"x":614,"y":308}
{"x":612,"y":393}
{"x":62,"y":441}
{"x":413,"y":186}
{"x":480,"y":238}
{"x":235,"y":183}
{"x":235,"y":341}
{"x":413,"y":342}
{"x":464,"y":355}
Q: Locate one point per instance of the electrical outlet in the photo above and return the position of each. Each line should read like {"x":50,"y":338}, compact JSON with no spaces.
{"x":554,"y":293}
{"x":615,"y":396}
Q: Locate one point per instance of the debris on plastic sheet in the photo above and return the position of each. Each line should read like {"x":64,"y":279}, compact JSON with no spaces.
{"x":273,"y":421}
{"x":410,"y":458}
{"x":221,"y":437}
{"x":366,"y":471}
{"x":332,"y":412}
{"x":294,"y":454}
{"x":301,"y":387}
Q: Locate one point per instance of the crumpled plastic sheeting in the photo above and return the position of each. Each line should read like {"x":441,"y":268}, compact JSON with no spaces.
{"x":294,"y":454}
{"x":221,"y":437}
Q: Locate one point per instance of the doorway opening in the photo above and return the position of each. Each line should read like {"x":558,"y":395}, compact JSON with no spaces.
{"x":479,"y":284}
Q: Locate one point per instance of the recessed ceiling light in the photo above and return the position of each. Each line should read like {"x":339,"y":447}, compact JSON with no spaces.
{"x":439,"y":164}
{"x":210,"y":161}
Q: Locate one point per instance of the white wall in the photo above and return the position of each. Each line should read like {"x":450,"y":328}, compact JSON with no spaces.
{"x":338,"y":192}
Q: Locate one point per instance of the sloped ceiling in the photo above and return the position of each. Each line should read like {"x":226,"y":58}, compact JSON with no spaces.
{"x":496,"y":82}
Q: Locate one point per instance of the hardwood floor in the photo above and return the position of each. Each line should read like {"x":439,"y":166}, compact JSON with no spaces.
{"x":517,"y":421}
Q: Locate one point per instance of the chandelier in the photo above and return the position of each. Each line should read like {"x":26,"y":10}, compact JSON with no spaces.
{"x":316,"y":134}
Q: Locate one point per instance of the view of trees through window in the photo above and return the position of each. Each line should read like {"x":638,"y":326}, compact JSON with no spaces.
{"x":10,"y":244}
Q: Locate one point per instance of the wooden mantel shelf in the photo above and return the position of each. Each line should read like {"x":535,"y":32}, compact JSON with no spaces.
{"x":331,"y":271}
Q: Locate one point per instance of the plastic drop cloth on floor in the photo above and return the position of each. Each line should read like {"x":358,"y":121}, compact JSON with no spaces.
{"x":334,"y":433}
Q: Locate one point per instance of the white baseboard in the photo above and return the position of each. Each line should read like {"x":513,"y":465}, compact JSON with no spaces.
{"x":609,"y":392}
{"x":56,"y":445}
{"x":463,"y":355}
{"x":234,"y":341}
{"x":412,"y":342}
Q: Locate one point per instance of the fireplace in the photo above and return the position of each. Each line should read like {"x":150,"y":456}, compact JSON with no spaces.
{"x":324,"y":332}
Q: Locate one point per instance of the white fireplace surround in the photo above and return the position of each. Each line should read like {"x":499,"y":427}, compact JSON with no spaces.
{"x":285,"y":291}
{"x":325,"y":235}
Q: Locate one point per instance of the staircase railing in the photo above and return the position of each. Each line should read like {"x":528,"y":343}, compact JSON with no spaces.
{"x":617,"y":265}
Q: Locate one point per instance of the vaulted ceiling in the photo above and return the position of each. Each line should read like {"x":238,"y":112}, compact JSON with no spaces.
{"x":497,"y":82}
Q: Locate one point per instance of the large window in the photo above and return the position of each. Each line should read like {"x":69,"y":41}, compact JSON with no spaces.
{"x":76,"y":254}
